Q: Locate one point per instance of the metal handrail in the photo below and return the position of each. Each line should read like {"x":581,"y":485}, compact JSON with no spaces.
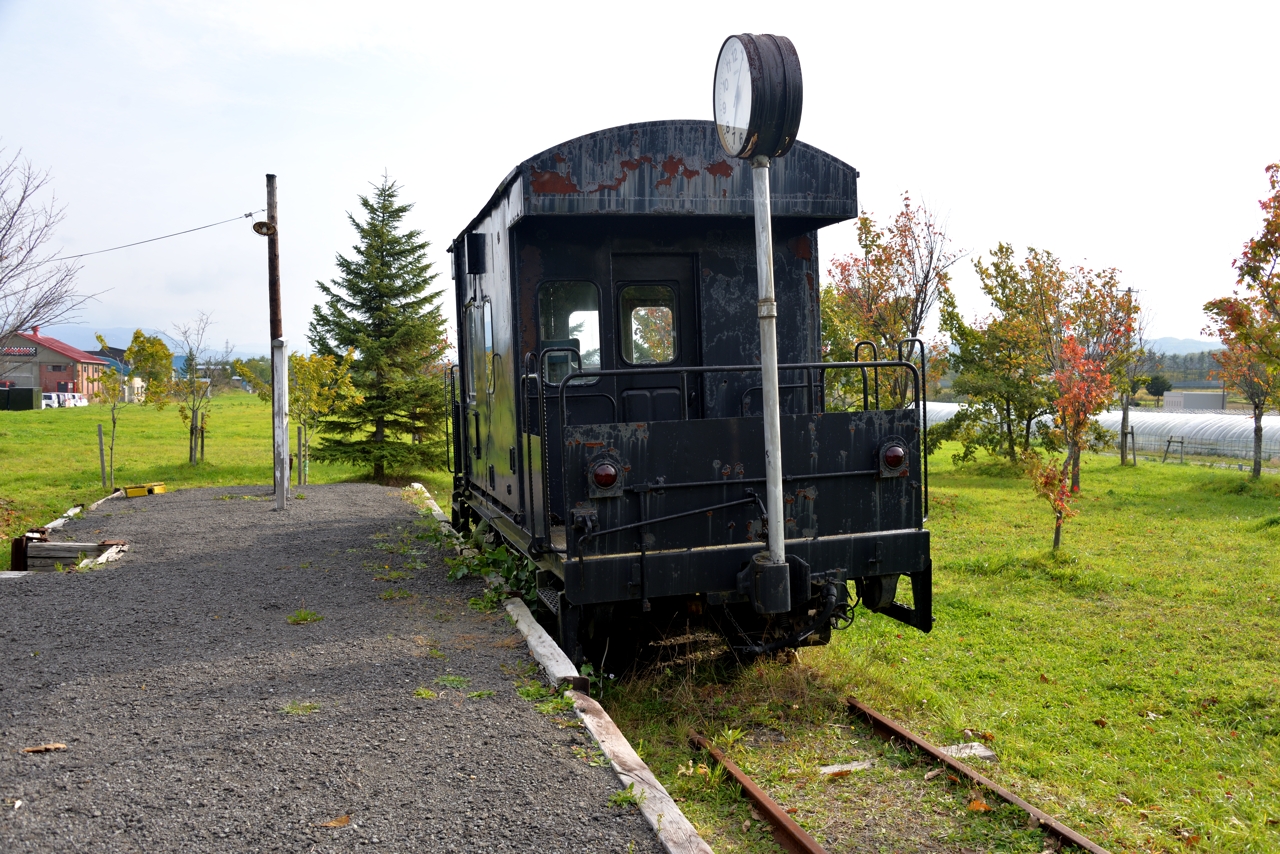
{"x":924,"y":416}
{"x":820,"y":367}
{"x":451,"y":393}
{"x":875,"y":357}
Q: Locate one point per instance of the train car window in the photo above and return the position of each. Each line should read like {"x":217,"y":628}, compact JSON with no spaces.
{"x":648,"y":316}
{"x":569,"y":316}
{"x":474,"y":364}
{"x":489,"y":356}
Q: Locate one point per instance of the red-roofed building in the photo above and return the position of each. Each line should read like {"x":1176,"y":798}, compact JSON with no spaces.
{"x":32,"y":360}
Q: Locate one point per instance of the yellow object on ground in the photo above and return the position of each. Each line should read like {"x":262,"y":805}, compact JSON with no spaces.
{"x":144,"y":489}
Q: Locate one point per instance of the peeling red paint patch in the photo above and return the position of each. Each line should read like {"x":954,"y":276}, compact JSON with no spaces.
{"x":627,"y":166}
{"x":671,"y":167}
{"x":674,"y":166}
{"x":560,"y":158}
{"x":808,"y":279}
{"x":721,"y":169}
{"x":552,"y":182}
{"x":801,"y":247}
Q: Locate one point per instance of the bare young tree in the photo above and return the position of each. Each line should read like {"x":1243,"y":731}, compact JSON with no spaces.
{"x":1136,"y":372}
{"x":35,"y":287}
{"x":193,"y":388}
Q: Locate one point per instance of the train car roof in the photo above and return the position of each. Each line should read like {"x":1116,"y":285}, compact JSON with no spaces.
{"x":672,"y":167}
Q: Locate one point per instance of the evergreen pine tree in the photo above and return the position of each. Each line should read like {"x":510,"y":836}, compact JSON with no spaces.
{"x":381,"y":308}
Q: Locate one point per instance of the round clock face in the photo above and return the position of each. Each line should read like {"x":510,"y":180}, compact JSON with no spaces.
{"x":733,"y":96}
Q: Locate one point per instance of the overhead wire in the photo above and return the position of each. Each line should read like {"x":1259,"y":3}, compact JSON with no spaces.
{"x":154,"y":239}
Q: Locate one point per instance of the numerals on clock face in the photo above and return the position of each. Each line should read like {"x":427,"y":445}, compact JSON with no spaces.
{"x":733,"y":96}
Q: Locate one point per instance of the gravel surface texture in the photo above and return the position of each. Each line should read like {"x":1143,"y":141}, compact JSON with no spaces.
{"x":167,"y":673}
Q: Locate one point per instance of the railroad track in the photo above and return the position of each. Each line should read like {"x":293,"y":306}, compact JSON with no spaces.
{"x":792,"y":838}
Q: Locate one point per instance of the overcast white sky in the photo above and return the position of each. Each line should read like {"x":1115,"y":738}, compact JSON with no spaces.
{"x":1126,"y":135}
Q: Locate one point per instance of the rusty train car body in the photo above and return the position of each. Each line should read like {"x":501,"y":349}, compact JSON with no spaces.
{"x":606,"y":403}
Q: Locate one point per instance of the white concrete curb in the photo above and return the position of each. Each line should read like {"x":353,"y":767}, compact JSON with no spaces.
{"x":431,"y":502}
{"x":676,"y":834}
{"x":99,"y":502}
{"x":674,"y":831}
{"x":64,"y":518}
{"x":544,"y":649}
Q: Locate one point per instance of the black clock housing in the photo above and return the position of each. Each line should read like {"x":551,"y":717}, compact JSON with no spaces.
{"x":777,"y":95}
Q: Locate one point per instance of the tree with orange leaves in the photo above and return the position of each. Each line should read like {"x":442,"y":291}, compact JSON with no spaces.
{"x":1258,"y":270}
{"x":886,"y":295}
{"x":1248,"y":323}
{"x":1041,"y":303}
{"x":1243,"y":364}
{"x":1084,"y":387}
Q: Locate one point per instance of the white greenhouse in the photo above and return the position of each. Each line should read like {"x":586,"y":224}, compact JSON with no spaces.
{"x":1183,"y":433}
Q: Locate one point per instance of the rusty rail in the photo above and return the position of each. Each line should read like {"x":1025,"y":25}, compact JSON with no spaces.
{"x":887,"y":728}
{"x":786,"y":832}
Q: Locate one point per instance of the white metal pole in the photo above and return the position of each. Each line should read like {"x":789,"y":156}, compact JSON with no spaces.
{"x":280,"y":417}
{"x":767,"y":311}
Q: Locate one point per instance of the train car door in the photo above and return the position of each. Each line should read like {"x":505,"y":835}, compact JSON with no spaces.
{"x":656,"y":315}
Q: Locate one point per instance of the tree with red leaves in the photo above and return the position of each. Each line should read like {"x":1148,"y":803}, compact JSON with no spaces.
{"x":1084,"y":388}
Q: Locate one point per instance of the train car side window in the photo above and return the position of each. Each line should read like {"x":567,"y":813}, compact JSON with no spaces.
{"x":474,"y":364}
{"x":648,"y":317}
{"x":569,"y":316}
{"x":488,"y":347}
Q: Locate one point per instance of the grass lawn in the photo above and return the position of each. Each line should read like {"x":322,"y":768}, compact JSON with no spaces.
{"x":1129,"y":684}
{"x":49,"y":458}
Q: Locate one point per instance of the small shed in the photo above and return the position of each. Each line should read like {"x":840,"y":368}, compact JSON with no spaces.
{"x":1177,"y":401}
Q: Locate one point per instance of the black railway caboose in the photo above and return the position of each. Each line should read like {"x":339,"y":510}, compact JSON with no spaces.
{"x":606,"y":402}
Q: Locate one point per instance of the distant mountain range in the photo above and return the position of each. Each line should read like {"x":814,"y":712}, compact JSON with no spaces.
{"x":1183,"y":346}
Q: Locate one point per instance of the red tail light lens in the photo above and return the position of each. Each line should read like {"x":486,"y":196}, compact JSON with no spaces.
{"x":895,"y":456}
{"x":605,"y":475}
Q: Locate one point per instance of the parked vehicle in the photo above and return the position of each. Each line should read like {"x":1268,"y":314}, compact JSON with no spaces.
{"x":49,"y":400}
{"x":75,"y":398}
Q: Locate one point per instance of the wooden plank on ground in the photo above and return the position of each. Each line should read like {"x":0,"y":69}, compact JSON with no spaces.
{"x":55,"y":550}
{"x":674,"y":831}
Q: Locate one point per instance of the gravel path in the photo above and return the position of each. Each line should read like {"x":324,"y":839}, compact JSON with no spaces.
{"x":166,"y":675}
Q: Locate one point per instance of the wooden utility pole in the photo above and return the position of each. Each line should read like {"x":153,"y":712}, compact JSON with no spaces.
{"x":273,"y":261}
{"x":279,"y":355}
